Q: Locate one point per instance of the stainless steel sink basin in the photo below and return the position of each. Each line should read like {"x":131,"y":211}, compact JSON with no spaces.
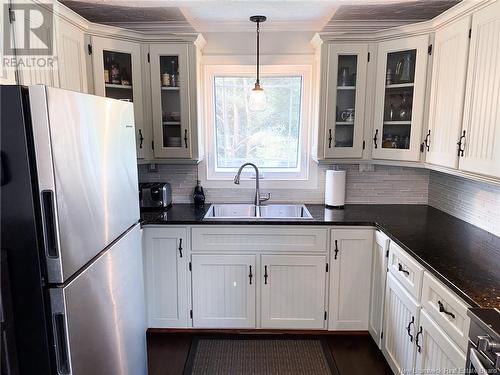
{"x":250,"y":211}
{"x":285,"y":211}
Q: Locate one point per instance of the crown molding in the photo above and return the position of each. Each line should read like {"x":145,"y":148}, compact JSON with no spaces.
{"x":351,"y":26}
{"x":157,"y":26}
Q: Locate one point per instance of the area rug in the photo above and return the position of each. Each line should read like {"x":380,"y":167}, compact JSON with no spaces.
{"x":242,"y":356}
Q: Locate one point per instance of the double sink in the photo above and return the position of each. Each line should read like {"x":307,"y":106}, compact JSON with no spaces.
{"x":251,"y":211}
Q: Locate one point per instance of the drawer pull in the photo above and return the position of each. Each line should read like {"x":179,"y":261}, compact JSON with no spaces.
{"x":408,"y":329}
{"x":443,"y":310}
{"x":180,"y":247}
{"x":265,"y":275}
{"x":401,"y":269}
{"x":250,"y":275}
{"x":419,"y":348}
{"x":336,"y":249}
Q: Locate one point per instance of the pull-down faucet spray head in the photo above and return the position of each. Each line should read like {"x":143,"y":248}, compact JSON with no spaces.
{"x":237,"y":179}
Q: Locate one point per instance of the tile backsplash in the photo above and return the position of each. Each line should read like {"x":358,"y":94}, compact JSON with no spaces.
{"x":384,"y":185}
{"x":475,"y":202}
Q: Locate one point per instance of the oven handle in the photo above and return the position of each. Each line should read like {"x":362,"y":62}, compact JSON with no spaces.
{"x":476,"y":362}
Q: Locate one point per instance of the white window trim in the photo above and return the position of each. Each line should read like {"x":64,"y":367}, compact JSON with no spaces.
{"x":306,"y":178}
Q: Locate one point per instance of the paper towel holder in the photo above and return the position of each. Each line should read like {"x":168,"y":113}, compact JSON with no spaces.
{"x":335,"y":184}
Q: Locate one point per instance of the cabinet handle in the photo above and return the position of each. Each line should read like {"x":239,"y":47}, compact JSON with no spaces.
{"x":427,"y":140}
{"x":141,"y":138}
{"x":336,"y":249}
{"x":330,"y":138}
{"x":401,"y":269}
{"x":250,"y":275}
{"x":443,"y":310}
{"x":408,"y":329}
{"x":265,"y":275}
{"x":460,"y":149}
{"x":375,"y":138}
{"x":419,"y":348}
{"x":186,"y":138}
{"x":180,"y":247}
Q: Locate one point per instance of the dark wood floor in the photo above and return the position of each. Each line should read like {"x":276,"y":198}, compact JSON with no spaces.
{"x":353,"y":354}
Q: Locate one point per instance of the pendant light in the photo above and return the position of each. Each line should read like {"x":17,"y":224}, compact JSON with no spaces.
{"x":258,"y":99}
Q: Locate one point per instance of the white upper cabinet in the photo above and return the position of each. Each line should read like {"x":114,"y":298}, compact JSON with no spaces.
{"x":345,"y":100}
{"x":293,"y":291}
{"x":481,"y":124}
{"x":400,"y":98}
{"x":350,"y":278}
{"x":451,"y":49}
{"x":173,"y":93}
{"x":118,"y":75}
{"x":71,"y":65}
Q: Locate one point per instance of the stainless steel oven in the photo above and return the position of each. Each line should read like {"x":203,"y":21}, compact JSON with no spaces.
{"x":483,"y":354}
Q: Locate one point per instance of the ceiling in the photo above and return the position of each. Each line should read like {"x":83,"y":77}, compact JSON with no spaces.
{"x":225,"y":15}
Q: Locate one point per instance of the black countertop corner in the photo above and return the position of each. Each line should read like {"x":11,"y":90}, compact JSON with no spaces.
{"x":464,"y":257}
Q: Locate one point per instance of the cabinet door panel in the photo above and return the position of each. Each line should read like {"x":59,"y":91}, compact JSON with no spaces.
{"x":451,"y":48}
{"x":71,"y":57}
{"x":482,"y":98}
{"x":166,"y":275}
{"x":127,"y":58}
{"x":345,"y":100}
{"x":437,"y":353}
{"x":223,"y":292}
{"x":171,"y":100}
{"x":399,"y":101}
{"x":293,"y":293}
{"x":350,"y":279}
{"x":379,"y":274}
{"x":400,"y":310}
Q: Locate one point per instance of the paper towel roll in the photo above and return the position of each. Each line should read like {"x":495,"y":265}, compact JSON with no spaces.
{"x":335,"y":188}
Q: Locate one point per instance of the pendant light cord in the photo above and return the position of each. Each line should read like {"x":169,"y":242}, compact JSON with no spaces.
{"x":258,"y":51}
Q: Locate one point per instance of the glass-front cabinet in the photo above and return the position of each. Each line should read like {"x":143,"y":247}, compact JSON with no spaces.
{"x":172,"y":111}
{"x":345,"y":100}
{"x":118,"y":75}
{"x":400,"y":96}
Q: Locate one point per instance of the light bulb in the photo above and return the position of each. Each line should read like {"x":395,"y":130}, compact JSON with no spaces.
{"x":258,"y":99}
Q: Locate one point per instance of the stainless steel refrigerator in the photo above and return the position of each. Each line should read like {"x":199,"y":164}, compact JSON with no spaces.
{"x":72,"y":283}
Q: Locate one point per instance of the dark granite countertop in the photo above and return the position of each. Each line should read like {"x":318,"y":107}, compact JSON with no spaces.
{"x":464,"y":257}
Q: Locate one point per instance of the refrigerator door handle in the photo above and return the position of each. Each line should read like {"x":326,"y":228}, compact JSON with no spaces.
{"x":61,"y":343}
{"x":49,"y":224}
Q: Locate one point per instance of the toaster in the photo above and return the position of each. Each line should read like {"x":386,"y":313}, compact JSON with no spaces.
{"x":155,"y":195}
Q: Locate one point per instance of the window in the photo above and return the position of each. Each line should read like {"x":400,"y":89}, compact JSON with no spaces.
{"x":274,"y":139}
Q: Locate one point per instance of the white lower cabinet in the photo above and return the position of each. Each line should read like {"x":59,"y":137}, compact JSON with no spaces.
{"x":379,"y":275}
{"x":350,"y":279}
{"x":166,"y":276}
{"x":436,"y":352}
{"x":293,"y":291}
{"x":223,"y":291}
{"x":401,"y":318}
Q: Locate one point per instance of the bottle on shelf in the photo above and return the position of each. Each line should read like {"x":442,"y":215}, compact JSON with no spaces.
{"x":107,"y":66}
{"x":174,"y":76}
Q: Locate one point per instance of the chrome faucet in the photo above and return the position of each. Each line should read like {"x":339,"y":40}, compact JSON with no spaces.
{"x":258,"y":198}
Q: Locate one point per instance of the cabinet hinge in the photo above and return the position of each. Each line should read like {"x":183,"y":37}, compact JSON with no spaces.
{"x":387,"y":253}
{"x":190,"y":266}
{"x":89,"y":49}
{"x":381,"y":335}
{"x":325,"y":315}
{"x":470,"y":33}
{"x":12,"y":16}
{"x":364,"y":145}
{"x":429,"y":49}
{"x":327,"y":267}
{"x":152,"y":145}
{"x":148,"y":57}
{"x":368,"y":56}
{"x":191,"y":314}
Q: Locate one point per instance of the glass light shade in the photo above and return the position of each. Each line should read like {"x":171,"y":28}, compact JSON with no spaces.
{"x":258,"y":100}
